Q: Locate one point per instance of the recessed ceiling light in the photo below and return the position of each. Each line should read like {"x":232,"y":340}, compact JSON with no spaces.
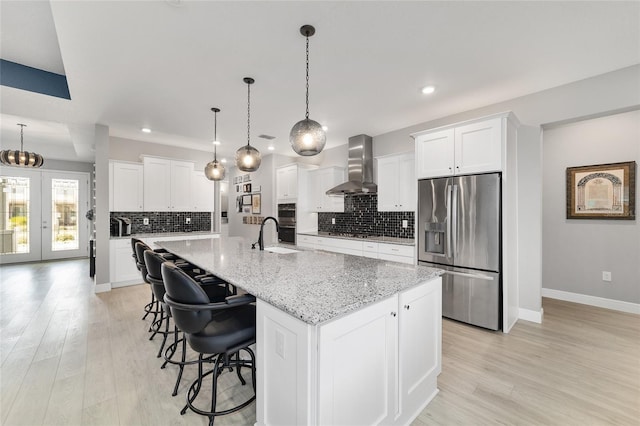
{"x":216,"y":142}
{"x":270,"y":148}
{"x":146,"y":130}
{"x":428,"y":89}
{"x":325,"y":128}
{"x":223,"y":160}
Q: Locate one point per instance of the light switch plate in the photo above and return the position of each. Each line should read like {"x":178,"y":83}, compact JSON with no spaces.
{"x":145,"y":221}
{"x":333,"y":220}
{"x":405,"y":223}
{"x":606,"y":276}
{"x":187,"y":221}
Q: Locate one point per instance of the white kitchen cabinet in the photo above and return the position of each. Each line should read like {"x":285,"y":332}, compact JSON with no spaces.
{"x":167,"y":184}
{"x":122,"y":268}
{"x":202,"y":193}
{"x":125,"y":186}
{"x":400,"y":342}
{"x":470,"y":147}
{"x":287,"y":183}
{"x":320,"y":181}
{"x":377,"y":365}
{"x":397,"y":253}
{"x":397,"y":184}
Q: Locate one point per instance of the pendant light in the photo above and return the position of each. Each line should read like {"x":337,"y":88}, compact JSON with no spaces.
{"x":214,"y":170}
{"x":248,"y":158}
{"x":21,"y":158}
{"x":307,"y":136}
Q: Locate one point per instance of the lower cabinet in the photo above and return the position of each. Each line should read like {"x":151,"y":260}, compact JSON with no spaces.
{"x":373,"y":249}
{"x":123,"y":270}
{"x":377,"y":365}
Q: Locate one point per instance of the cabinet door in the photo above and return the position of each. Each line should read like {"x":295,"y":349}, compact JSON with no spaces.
{"x":420,"y":334}
{"x":408,"y":185}
{"x":127,"y":187}
{"x":181,"y":172}
{"x":388,"y":183}
{"x":357,"y":367}
{"x":322,"y":180}
{"x":157,"y":184}
{"x":202,"y":193}
{"x":287,"y":183}
{"x":122,"y":266}
{"x":478,"y":147}
{"x":434,"y":154}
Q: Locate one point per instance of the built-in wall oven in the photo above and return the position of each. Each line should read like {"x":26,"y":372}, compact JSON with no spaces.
{"x":287,"y":221}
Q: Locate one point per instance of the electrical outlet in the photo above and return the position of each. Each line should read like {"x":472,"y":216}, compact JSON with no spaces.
{"x":187,"y":221}
{"x":405,"y":223}
{"x":606,"y":276}
{"x":145,"y":221}
{"x":333,"y":220}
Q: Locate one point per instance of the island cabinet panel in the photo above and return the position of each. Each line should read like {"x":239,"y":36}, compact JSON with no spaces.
{"x":376,"y":365}
{"x":357,"y":359}
{"x":420,"y":343}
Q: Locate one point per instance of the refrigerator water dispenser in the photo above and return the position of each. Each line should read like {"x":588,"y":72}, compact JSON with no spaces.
{"x":434,"y":237}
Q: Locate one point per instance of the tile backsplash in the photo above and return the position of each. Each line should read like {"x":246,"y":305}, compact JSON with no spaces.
{"x":361,"y":216}
{"x":167,"y":221}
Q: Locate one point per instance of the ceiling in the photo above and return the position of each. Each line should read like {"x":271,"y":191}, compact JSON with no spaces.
{"x":164,"y":64}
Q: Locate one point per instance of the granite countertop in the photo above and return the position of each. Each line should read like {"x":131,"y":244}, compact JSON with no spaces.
{"x":377,"y":239}
{"x":164,"y":234}
{"x":314,"y":286}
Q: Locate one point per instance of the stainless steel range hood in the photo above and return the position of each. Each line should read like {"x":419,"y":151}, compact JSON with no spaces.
{"x":360,"y":168}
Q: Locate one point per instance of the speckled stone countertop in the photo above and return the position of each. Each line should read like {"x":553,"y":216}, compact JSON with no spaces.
{"x":377,"y":239}
{"x":314,"y":286}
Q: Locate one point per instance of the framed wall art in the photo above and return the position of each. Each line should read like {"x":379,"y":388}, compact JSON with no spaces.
{"x":246,"y":200}
{"x":604,"y":191}
{"x":255,"y":204}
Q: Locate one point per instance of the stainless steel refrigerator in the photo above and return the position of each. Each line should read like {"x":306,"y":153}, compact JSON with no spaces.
{"x":459,"y":230}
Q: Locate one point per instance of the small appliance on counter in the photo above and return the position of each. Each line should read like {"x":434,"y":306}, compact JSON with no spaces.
{"x":120,"y":226}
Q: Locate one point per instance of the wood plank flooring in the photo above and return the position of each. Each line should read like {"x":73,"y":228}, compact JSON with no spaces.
{"x":71,"y":357}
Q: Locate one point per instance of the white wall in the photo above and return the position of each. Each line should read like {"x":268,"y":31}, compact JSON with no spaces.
{"x":131,"y":150}
{"x":576,"y":251}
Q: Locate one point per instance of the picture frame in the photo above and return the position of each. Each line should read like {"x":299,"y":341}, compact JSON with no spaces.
{"x":246,"y":187}
{"x":602,"y":191}
{"x":239,"y":204}
{"x":247,"y":209}
{"x":237,"y":188}
{"x":255,"y":204}
{"x":246,"y":200}
{"x":246,"y":178}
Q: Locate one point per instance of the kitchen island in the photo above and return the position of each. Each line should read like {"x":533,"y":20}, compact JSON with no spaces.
{"x":340,"y":339}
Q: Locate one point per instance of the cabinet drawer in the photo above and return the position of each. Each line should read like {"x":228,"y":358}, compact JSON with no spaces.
{"x":396,"y":258}
{"x":397,"y":250}
{"x":370,"y":247}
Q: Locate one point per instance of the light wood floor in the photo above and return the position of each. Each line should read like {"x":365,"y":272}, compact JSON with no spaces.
{"x":71,"y":357}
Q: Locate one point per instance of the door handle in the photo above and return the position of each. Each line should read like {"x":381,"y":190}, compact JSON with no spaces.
{"x":454,"y":219}
{"x":467,"y":275}
{"x":449,"y":218}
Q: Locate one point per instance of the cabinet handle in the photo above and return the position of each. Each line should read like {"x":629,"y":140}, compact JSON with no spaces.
{"x":407,"y":307}
{"x":393,"y":314}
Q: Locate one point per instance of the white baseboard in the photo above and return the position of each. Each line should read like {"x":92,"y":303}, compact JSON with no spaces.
{"x":531,"y":315}
{"x":125,"y":283}
{"x":601,"y":302}
{"x":101,"y":288}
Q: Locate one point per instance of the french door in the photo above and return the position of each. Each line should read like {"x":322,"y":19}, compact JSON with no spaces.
{"x":43,"y":215}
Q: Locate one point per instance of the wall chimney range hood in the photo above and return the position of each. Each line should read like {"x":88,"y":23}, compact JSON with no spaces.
{"x":360,"y":168}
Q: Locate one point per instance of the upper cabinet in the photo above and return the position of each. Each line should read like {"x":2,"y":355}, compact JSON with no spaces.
{"x":474,"y":147}
{"x":202,"y":193}
{"x":287,"y":183}
{"x":126,"y":187}
{"x":167,"y":184}
{"x":320,"y":181}
{"x":397,"y":189}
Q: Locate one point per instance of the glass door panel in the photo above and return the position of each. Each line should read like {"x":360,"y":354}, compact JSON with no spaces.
{"x":19,"y":215}
{"x":64,"y":226}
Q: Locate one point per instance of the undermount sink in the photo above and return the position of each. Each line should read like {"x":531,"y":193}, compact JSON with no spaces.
{"x":281,"y":250}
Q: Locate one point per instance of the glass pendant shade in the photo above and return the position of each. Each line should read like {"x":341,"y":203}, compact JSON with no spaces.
{"x":307,"y":137}
{"x":214,"y":170}
{"x":248,"y":158}
{"x":21,"y":158}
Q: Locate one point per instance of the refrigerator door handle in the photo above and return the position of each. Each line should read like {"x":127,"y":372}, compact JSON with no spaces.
{"x":476,"y":276}
{"x":448,"y":239}
{"x":454,"y":219}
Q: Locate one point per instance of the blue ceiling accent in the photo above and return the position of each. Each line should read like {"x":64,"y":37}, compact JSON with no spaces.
{"x":33,"y":79}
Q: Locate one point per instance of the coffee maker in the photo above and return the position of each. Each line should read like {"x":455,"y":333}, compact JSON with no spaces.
{"x":120,"y":226}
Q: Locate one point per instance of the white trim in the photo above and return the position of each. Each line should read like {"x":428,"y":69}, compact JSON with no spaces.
{"x":101,"y":288}
{"x":601,"y":302}
{"x":531,"y":315}
{"x":126,"y":283}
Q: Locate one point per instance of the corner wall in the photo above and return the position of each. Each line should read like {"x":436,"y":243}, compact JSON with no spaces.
{"x":576,"y":251}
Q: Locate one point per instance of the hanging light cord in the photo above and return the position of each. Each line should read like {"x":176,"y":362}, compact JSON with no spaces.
{"x":307,"y":114}
{"x":248,"y":113}
{"x":22,"y":126}
{"x":215,"y":136}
